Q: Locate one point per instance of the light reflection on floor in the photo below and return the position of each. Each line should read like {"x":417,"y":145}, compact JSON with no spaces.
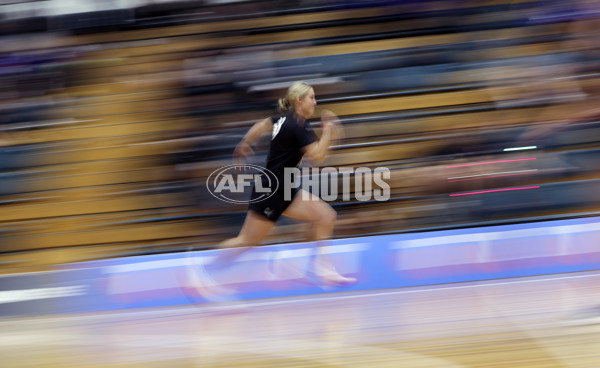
{"x":503,"y":323}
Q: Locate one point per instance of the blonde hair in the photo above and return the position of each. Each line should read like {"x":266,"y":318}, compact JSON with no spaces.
{"x":298,"y":89}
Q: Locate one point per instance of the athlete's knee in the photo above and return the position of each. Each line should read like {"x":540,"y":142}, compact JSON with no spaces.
{"x":327,"y":217}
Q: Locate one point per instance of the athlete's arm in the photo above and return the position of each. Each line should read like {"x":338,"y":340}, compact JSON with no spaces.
{"x":243,"y":148}
{"x":317,"y":151}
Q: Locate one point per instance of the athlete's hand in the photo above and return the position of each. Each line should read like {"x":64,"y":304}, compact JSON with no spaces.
{"x":330,"y":121}
{"x":329,"y":117}
{"x":242,"y":150}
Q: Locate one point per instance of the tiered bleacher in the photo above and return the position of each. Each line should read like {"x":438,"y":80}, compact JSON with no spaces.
{"x":110,"y":128}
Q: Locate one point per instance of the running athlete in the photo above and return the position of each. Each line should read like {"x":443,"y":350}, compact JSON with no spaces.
{"x":292,"y":139}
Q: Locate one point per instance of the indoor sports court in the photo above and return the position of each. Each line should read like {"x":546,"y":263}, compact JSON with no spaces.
{"x":522,"y":322}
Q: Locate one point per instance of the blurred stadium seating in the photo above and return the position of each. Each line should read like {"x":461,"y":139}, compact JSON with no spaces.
{"x":112,"y":125}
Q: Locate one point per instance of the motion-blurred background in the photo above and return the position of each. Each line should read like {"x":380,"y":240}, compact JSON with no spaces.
{"x":114,"y":113}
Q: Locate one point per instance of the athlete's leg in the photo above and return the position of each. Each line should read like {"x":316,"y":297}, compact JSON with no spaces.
{"x":254,"y":230}
{"x":307,"y":207}
{"x":321,"y":216}
{"x":200,"y":276}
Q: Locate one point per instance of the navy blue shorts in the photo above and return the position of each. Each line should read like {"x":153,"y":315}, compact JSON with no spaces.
{"x":273,"y":207}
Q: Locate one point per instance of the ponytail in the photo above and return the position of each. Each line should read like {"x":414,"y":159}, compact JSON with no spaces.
{"x":284,"y":104}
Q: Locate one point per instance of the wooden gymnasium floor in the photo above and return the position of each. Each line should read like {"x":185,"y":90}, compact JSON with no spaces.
{"x":517,"y":323}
